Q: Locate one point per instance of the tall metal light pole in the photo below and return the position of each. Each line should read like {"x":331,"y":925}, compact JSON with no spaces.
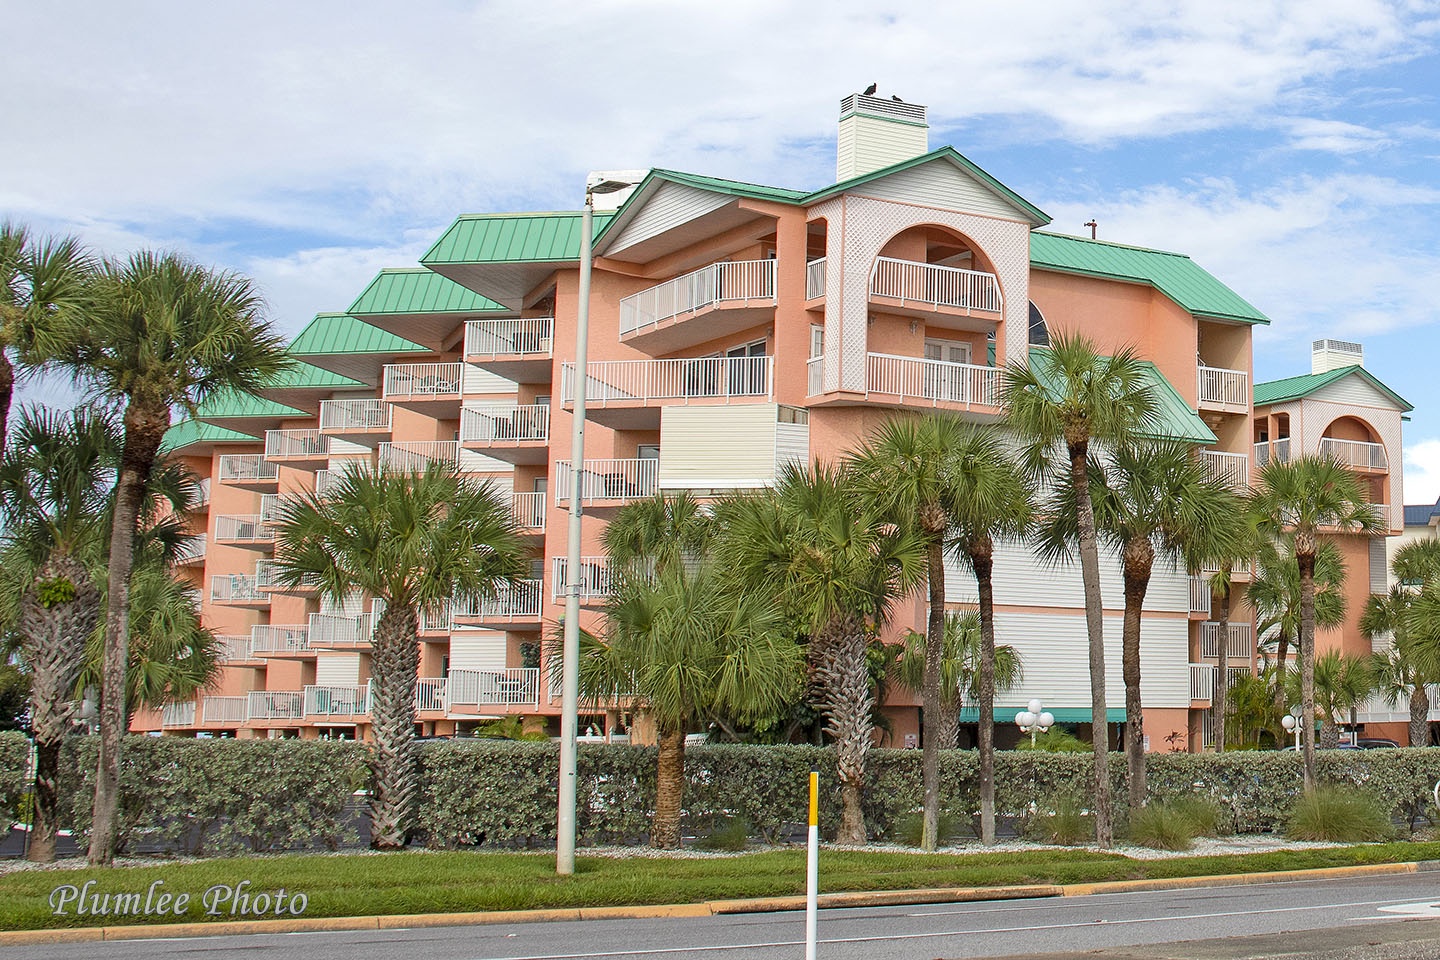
{"x":570,"y":654}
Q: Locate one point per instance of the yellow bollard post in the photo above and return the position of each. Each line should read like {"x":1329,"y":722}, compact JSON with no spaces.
{"x":812,"y":867}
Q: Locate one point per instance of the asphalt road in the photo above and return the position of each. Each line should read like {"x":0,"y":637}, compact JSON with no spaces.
{"x":1309,"y":917}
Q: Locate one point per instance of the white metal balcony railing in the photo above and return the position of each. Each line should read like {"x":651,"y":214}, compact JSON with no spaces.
{"x":276,"y":705}
{"x":933,"y":381}
{"x":1354,"y":453}
{"x":506,"y":338}
{"x":285,"y":444}
{"x":505,"y":423}
{"x":430,"y":694}
{"x":269,"y":507}
{"x":409,"y":381}
{"x":529,"y":510}
{"x":415,"y":456}
{"x":911,"y":282}
{"x":642,"y":381}
{"x":178,"y":714}
{"x":741,"y":281}
{"x":1200,"y":595}
{"x":1241,"y":648}
{"x":355,"y":415}
{"x":243,"y":467}
{"x":236,"y":588}
{"x":815,"y":376}
{"x":1279,"y":449}
{"x":331,"y":630}
{"x":232,"y":646}
{"x":201,"y":496}
{"x":815,"y":279}
{"x":515,"y":685}
{"x":325,"y":480}
{"x":225,"y":711}
{"x":195,"y":595}
{"x":267,"y":577}
{"x":1219,"y":387}
{"x":609,"y":480}
{"x":596,"y":582}
{"x":434,"y":619}
{"x":251,"y":528}
{"x":337,"y":700}
{"x":192,"y":550}
{"x":1202,"y":681}
{"x":1228,"y":468}
{"x":517,"y":601}
{"x":278,"y":638}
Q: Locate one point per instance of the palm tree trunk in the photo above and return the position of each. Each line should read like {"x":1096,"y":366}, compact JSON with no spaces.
{"x":1282,"y":650}
{"x":7,"y":394}
{"x":145,"y":426}
{"x":1419,"y":715}
{"x":949,"y":723}
{"x":54,"y":638}
{"x":1139,"y":557}
{"x":1306,"y":562}
{"x":983,"y":560}
{"x":394,"y":665}
{"x":930,"y":697}
{"x":669,"y":789}
{"x":1329,"y":733}
{"x":1095,"y":629}
{"x":1222,"y":687}
{"x":848,"y":702}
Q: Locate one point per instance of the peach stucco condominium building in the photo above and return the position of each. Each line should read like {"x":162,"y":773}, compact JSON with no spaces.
{"x":734,"y":328}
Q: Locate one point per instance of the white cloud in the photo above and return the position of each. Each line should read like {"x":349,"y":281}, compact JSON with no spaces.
{"x":1422,"y":471}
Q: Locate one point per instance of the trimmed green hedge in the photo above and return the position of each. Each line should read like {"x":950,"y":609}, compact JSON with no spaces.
{"x":14,"y":758}
{"x":222,"y":796}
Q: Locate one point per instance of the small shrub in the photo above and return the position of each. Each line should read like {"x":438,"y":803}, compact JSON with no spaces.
{"x":1067,"y":826}
{"x":1056,"y":740}
{"x":1203,"y":814}
{"x":1338,"y":814}
{"x":1162,"y":826}
{"x":910,"y":829}
{"x":732,"y":834}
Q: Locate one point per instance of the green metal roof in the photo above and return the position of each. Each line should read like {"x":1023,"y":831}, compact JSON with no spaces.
{"x":189,"y":432}
{"x":234,"y":405}
{"x":512,"y":238}
{"x":1294,"y":388}
{"x":304,"y":376}
{"x":340,"y":333}
{"x":1173,"y":274}
{"x":1177,"y":419}
{"x":417,"y":290}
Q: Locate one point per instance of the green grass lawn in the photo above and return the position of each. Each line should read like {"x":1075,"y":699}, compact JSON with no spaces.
{"x":434,"y":882}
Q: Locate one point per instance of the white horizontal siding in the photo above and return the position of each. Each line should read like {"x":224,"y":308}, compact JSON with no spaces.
{"x":1379,"y":574}
{"x":1021,"y":579}
{"x":670,"y":206}
{"x":337,"y":669}
{"x":792,"y":444}
{"x":352,"y":606}
{"x":720,"y":447}
{"x":342,"y":450}
{"x":940,"y":183}
{"x":471,"y":462}
{"x":477,"y":650}
{"x":1353,"y":390}
{"x":868,"y":143}
{"x":474,"y":380}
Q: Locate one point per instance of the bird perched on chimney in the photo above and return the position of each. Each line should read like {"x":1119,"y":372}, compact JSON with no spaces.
{"x":896,"y":99}
{"x":869,"y":91}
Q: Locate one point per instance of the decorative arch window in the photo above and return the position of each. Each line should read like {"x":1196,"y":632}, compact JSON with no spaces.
{"x":1039,"y":333}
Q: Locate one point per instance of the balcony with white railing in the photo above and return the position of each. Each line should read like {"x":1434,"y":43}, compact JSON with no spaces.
{"x":1202,"y":681}
{"x":248,"y":530}
{"x":434,"y":620}
{"x":432,"y":388}
{"x":733,"y":294}
{"x":1240,"y":649}
{"x":815,"y":279}
{"x":337,"y":700}
{"x":908,"y":284}
{"x":191,"y":552}
{"x":296,"y":446}
{"x":1229,"y":468}
{"x":178,"y":714}
{"x":642,"y":383}
{"x":224,"y":711}
{"x":326,"y":480}
{"x":249,"y":470}
{"x":517,"y":433}
{"x":914,"y":381}
{"x":361,"y":421}
{"x":513,"y":686}
{"x":415,"y":456}
{"x":1278,"y":449}
{"x":233,"y":648}
{"x":1355,"y":454}
{"x":518,"y":602}
{"x":200,"y":499}
{"x":815,"y":376}
{"x":268,"y":577}
{"x":430,"y":695}
{"x":237,"y":589}
{"x":596,"y":581}
{"x":529,"y":510}
{"x":1227,"y":391}
{"x":276,"y":705}
{"x":277,"y":640}
{"x":1200,"y":595}
{"x":609,"y":482}
{"x":332,"y":630}
{"x":510,"y":346}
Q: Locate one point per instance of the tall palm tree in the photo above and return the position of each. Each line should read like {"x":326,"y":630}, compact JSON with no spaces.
{"x":666,"y":530}
{"x":1342,"y":682}
{"x":413,"y":541}
{"x":1230,"y":544}
{"x":1152,"y":499}
{"x":1067,"y":397}
{"x":1299,"y":498}
{"x":1274,"y":592}
{"x":836,"y":567}
{"x":160,"y":333}
{"x":1412,"y":661}
{"x":37,"y":279}
{"x":959,"y":669}
{"x":682,"y":647}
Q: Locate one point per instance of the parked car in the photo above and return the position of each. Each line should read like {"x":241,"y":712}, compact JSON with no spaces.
{"x":1376,"y":743}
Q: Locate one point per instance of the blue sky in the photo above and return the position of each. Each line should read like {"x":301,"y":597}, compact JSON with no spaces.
{"x":1293,"y":149}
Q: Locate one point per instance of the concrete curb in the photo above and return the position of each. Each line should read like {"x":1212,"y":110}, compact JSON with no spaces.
{"x":829,"y":901}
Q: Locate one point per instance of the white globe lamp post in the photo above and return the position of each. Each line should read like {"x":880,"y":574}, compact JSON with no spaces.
{"x":1034,"y":720}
